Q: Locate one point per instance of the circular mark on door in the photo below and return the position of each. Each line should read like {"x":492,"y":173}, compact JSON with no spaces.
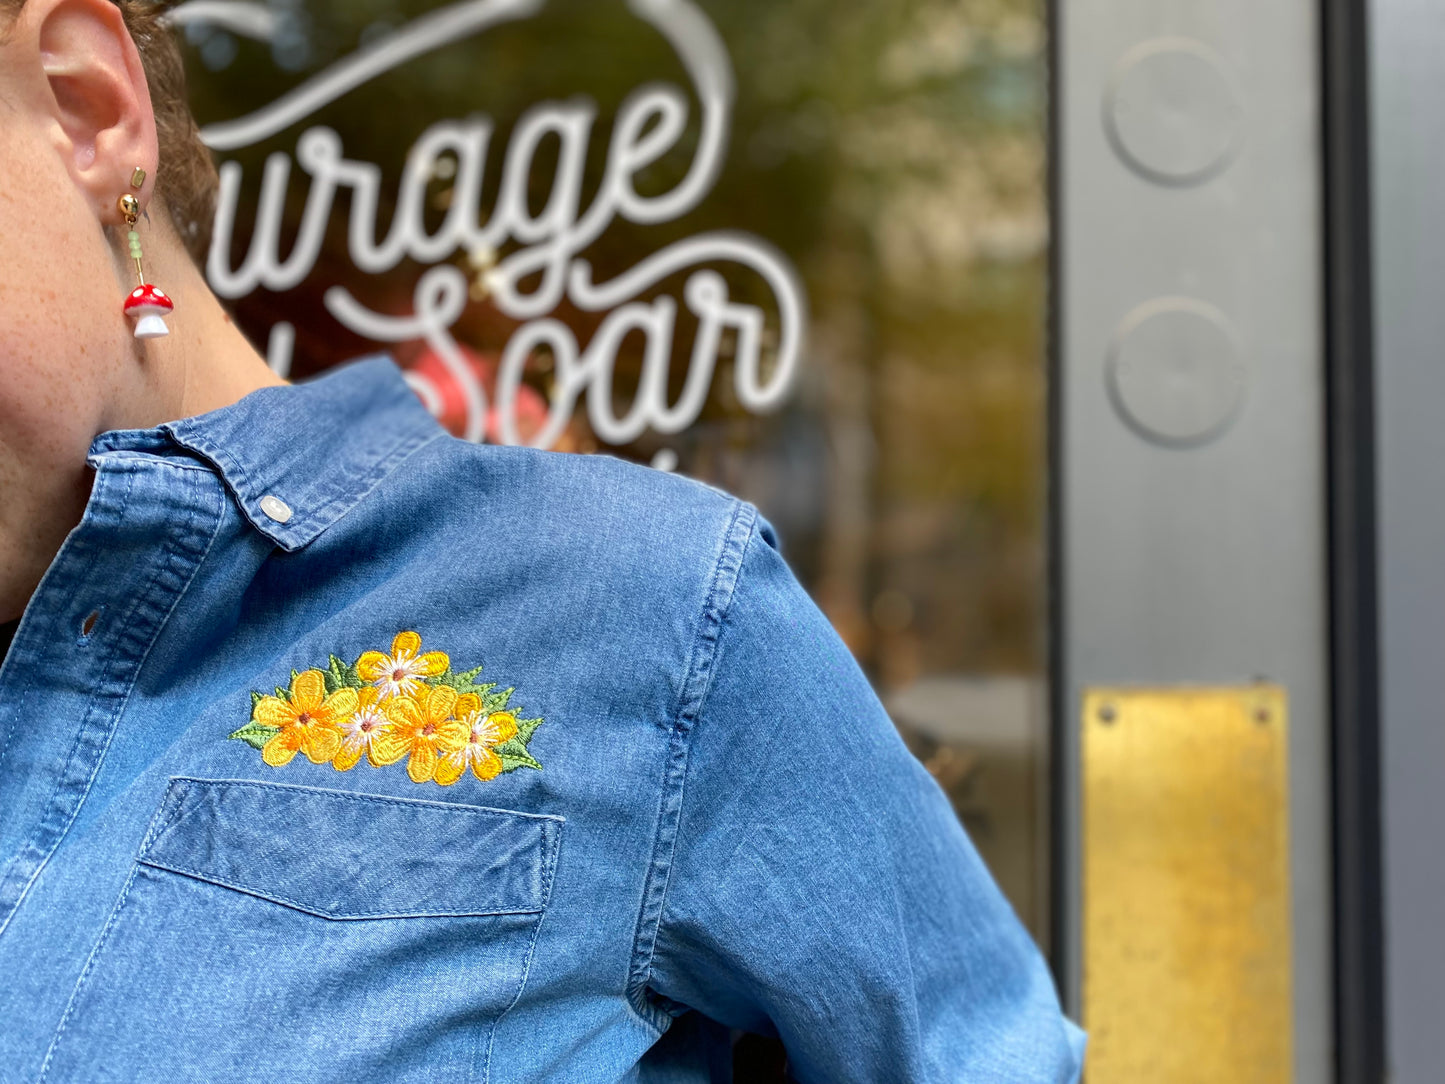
{"x":1172,"y":111}
{"x":1176,"y":373}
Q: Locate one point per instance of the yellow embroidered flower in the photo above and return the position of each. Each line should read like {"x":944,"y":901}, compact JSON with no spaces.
{"x":308,"y":723}
{"x":486,"y":732}
{"x":360,"y":730}
{"x":422,"y":730}
{"x":401,"y":672}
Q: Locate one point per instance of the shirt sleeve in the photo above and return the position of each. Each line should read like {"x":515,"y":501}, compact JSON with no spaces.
{"x":820,"y":887}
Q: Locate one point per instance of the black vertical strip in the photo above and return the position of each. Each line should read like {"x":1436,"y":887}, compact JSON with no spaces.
{"x":1061,"y":820}
{"x":1359,"y":931}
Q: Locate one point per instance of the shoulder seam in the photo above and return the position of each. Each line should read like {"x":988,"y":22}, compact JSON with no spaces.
{"x":726,"y":571}
{"x":698,"y":679}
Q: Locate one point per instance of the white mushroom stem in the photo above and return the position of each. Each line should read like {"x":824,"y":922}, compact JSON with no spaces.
{"x":151,"y":327}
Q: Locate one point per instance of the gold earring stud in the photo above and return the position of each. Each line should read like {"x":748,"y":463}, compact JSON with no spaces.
{"x":138,"y":178}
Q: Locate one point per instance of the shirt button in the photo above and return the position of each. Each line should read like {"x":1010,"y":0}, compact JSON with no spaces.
{"x":275,"y":508}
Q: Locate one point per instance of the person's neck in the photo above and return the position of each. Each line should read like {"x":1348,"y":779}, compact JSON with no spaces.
{"x":205,"y":363}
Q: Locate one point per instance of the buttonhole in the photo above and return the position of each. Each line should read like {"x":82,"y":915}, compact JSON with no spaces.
{"x":87,"y":626}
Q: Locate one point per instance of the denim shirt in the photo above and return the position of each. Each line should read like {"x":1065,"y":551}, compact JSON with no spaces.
{"x":336,"y":749}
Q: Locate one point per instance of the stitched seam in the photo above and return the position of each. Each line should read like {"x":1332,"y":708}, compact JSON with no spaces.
{"x":175,"y":802}
{"x":80,"y":983}
{"x":229,"y":465}
{"x":701,"y":673}
{"x":9,"y":661}
{"x":108,"y":659}
{"x":174,"y":807}
{"x":555,"y":844}
{"x":377,"y":798}
{"x":311,"y":909}
{"x":175,"y":553}
{"x":383,"y":468}
{"x":127,"y":462}
{"x":367,"y":482}
{"x":735,"y":541}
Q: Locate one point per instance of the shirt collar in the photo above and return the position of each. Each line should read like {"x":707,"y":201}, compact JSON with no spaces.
{"x":297,"y":458}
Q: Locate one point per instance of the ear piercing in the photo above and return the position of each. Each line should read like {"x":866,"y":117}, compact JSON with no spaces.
{"x":147,"y":305}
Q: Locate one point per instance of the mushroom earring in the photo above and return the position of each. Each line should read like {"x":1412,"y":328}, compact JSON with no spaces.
{"x":147,"y":305}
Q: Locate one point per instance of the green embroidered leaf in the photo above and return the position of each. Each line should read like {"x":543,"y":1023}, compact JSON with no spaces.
{"x":463,"y":683}
{"x":514,"y":753}
{"x":496,"y":701}
{"x":283,"y":695}
{"x":256,"y":698}
{"x":514,"y":748}
{"x":340,"y":675}
{"x":255,"y":735}
{"x":512,"y":761}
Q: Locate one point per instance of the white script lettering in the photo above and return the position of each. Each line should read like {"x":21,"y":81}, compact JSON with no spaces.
{"x":650,"y":124}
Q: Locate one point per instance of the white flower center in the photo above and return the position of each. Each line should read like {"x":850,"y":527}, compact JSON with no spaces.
{"x":362,"y":727}
{"x":400,"y":675}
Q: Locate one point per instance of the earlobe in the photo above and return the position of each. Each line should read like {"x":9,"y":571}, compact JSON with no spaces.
{"x":102,"y":111}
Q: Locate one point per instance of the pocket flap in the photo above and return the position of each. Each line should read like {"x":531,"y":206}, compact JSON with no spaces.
{"x":354,"y":856}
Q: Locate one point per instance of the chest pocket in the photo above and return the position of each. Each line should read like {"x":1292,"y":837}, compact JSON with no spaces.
{"x":285,"y":933}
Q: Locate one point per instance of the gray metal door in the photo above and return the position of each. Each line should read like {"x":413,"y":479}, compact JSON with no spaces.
{"x":1190,"y":458}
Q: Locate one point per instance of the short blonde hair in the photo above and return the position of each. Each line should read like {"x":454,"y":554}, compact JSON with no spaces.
{"x":186,"y":174}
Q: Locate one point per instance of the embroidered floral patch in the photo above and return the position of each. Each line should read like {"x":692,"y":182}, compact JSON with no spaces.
{"x":389,"y":707}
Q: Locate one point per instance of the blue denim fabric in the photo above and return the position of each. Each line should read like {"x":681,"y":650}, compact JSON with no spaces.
{"x":726,"y":831}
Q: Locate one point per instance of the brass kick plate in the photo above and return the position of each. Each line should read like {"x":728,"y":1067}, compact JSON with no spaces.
{"x":1186,"y":899}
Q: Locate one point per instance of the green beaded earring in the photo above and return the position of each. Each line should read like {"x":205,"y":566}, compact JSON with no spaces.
{"x":147,"y":305}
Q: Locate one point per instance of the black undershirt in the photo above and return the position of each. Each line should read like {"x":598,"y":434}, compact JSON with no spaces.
{"x":7,"y":634}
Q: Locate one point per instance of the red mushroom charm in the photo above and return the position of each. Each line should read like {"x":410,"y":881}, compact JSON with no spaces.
{"x":148,"y":306}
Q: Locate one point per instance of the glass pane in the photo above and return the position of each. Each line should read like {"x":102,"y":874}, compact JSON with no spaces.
{"x":796,"y":248}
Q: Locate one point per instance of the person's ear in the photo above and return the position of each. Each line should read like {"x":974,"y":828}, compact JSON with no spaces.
{"x":100,"y":104}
